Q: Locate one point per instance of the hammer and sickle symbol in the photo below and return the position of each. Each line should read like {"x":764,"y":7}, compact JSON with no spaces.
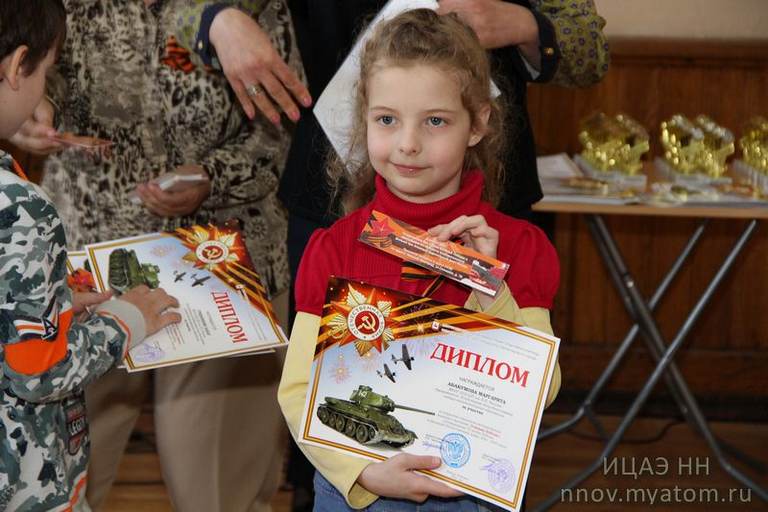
{"x":367,"y":322}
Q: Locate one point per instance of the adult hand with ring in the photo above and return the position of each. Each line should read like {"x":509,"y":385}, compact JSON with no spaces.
{"x":256,"y":72}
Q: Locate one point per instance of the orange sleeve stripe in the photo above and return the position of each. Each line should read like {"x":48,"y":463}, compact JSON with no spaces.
{"x":19,"y":171}
{"x":30,"y":327}
{"x":75,"y":497}
{"x":35,"y":356}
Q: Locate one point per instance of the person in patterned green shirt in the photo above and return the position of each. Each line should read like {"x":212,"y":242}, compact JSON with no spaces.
{"x":51,"y":346}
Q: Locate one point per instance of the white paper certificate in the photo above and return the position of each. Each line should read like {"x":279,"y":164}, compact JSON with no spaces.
{"x":394,"y":373}
{"x":223,"y":305}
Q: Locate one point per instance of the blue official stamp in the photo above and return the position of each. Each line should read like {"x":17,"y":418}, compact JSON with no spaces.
{"x":501,"y":475}
{"x":455,"y":450}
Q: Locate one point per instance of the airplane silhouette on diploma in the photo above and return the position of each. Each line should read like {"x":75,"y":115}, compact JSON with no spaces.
{"x":178,"y":275}
{"x":387,"y":373}
{"x":405,"y":359}
{"x":199,"y":280}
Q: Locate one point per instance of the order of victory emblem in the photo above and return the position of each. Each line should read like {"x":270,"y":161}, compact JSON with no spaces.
{"x":363,"y":321}
{"x":212,"y":252}
{"x":366,"y":322}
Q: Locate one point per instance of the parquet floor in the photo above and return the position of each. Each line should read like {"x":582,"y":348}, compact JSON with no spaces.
{"x":657,"y":441}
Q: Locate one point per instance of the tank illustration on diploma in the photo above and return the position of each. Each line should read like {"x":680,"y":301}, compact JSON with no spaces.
{"x":126,"y":272}
{"x":366,"y":418}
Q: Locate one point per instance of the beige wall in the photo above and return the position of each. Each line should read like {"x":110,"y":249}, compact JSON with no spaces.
{"x":705,"y":19}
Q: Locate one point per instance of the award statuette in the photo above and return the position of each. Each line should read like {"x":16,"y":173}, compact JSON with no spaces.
{"x":613,"y":143}
{"x":697,"y":148}
{"x":752,"y":169}
{"x":754,"y":144}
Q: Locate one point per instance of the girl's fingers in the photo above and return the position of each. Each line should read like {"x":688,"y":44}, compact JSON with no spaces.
{"x":457,"y":226}
{"x":409,"y":461}
{"x":484,"y":231}
{"x":434,"y":488}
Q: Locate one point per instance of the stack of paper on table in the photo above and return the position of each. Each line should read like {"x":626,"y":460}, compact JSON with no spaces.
{"x":563,"y":181}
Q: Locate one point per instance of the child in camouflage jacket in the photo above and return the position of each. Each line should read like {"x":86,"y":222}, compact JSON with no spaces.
{"x":50,"y":345}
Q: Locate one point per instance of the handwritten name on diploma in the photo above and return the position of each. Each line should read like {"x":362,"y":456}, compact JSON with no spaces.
{"x":229,"y":317}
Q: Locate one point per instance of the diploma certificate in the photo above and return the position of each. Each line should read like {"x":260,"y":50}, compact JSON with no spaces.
{"x":394,"y":373}
{"x":223,"y":305}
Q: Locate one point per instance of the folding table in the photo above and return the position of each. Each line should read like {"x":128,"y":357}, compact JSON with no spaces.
{"x":641,"y":311}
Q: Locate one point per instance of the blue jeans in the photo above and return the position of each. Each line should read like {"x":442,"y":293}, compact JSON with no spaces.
{"x":328,"y":499}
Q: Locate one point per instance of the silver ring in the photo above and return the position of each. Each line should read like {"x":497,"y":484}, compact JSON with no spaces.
{"x":254,"y":90}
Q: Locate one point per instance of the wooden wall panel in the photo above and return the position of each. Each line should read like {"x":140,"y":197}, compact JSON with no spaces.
{"x":652,"y":80}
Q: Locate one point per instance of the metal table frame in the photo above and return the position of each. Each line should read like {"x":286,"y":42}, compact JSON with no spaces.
{"x":641,"y":312}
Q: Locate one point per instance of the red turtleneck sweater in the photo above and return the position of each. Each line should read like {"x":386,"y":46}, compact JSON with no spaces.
{"x":533,"y":276}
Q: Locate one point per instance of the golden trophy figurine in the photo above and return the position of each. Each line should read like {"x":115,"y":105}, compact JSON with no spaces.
{"x":696,"y":148}
{"x":754,"y":144}
{"x":719,"y":144}
{"x":682,"y":143}
{"x":613,"y":143}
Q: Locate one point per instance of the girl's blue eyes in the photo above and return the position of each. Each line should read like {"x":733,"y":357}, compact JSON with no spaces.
{"x":433,"y":121}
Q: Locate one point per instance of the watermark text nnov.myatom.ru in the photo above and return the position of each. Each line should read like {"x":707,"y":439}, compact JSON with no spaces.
{"x":637,"y":467}
{"x":656,"y":496}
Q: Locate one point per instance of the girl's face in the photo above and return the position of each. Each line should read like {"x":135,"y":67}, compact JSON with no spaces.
{"x":418,"y":131}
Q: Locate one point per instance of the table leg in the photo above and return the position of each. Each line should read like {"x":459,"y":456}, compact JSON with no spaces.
{"x":587,"y":407}
{"x":647,"y":324}
{"x":641,"y":313}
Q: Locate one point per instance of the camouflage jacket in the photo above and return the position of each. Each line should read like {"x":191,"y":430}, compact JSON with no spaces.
{"x":46,"y":356}
{"x":121,"y":77}
{"x":584,"y":52}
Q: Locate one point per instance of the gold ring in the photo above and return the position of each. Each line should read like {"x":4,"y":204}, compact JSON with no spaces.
{"x":254,"y":90}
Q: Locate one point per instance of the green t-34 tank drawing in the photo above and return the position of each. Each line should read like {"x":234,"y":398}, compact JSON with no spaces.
{"x":125,"y":271}
{"x":365,"y":417}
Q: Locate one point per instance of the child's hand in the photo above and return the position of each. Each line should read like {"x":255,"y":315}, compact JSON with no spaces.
{"x":153,"y":305}
{"x":394,"y":478}
{"x":82,"y":301}
{"x":474,"y":231}
{"x":175,"y":204}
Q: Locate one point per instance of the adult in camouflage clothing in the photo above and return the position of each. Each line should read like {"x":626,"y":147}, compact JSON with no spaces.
{"x":47,"y":352}
{"x":123,"y":78}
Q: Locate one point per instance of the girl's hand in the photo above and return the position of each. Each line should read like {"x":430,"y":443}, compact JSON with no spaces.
{"x":175,"y":204}
{"x":474,"y":231}
{"x":395,"y":478}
